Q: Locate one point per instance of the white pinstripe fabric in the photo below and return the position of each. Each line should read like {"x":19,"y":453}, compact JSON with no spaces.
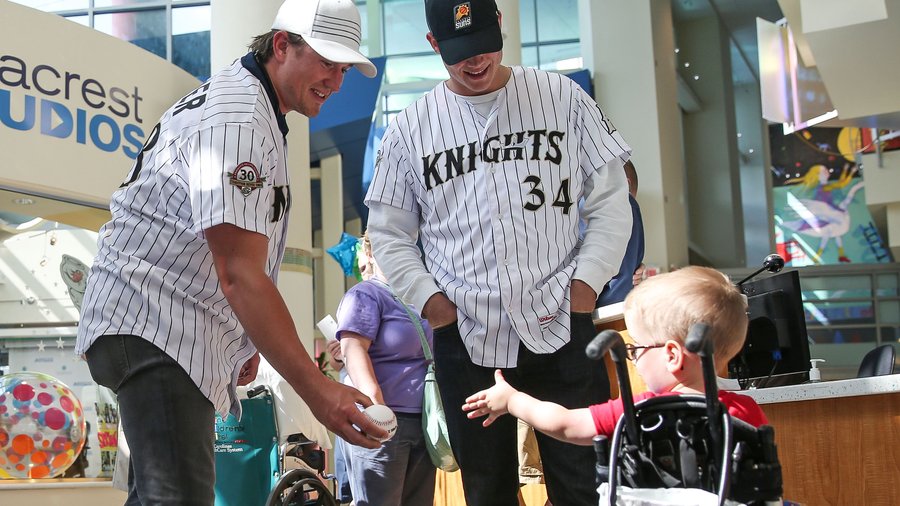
{"x":507,"y":268}
{"x":154,"y":275}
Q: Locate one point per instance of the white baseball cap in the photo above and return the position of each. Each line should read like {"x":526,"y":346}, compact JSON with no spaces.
{"x":331,"y":28}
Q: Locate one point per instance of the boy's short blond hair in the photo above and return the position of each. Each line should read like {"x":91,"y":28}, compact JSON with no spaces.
{"x":668,"y":305}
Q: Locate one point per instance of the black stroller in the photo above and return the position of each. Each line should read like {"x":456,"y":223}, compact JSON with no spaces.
{"x":683,"y":442}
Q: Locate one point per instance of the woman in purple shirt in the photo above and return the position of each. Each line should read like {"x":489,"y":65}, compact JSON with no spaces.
{"x":384,"y":358}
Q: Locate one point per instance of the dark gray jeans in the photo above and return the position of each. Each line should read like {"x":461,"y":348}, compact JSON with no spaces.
{"x":399,"y":473}
{"x":168,"y":423}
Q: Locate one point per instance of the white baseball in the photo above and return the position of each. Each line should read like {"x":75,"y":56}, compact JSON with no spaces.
{"x":383,"y":417}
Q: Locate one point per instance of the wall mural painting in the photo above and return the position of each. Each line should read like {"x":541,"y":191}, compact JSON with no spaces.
{"x":819,"y":198}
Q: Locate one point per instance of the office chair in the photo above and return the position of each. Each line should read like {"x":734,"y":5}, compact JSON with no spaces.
{"x":877,"y":362}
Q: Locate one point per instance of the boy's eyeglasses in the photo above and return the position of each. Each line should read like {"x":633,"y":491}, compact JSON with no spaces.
{"x":631,"y":350}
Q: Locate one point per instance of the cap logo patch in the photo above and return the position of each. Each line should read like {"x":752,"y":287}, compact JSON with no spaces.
{"x":462,"y":16}
{"x":246,"y":178}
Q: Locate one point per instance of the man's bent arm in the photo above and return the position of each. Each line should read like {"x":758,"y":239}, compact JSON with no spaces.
{"x":240,"y":258}
{"x":607,"y":214}
{"x":393,"y":233}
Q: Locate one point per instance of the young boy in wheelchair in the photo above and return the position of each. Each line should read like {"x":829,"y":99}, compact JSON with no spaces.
{"x":658,"y":313}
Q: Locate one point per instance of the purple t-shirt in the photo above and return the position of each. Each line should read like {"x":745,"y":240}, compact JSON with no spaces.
{"x":371,"y":311}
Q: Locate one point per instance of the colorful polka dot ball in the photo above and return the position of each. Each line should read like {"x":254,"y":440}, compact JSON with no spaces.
{"x":42,"y":428}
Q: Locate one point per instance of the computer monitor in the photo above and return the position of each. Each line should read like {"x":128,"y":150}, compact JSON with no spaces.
{"x":776,"y":351}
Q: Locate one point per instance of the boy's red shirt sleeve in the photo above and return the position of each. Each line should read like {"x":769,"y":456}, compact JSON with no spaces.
{"x":606,"y":415}
{"x":744,"y":408}
{"x":739,"y":406}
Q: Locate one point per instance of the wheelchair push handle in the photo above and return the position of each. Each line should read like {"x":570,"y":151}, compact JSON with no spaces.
{"x":604,"y":342}
{"x":697,"y":342}
{"x":610,"y":341}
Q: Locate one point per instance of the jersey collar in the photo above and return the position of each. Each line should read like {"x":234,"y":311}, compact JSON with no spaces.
{"x":250,"y":63}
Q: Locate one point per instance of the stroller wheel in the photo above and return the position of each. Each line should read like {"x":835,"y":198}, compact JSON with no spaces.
{"x":300,"y":487}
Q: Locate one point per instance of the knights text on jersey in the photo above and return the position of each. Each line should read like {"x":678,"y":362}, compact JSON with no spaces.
{"x":498,"y":200}
{"x":217,"y":156}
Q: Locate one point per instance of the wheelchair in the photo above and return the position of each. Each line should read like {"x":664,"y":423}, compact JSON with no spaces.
{"x":304,"y":485}
{"x":252,"y":468}
{"x":683,"y":442}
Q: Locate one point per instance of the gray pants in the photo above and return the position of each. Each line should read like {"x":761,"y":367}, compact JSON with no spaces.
{"x":400,"y":473}
{"x":167,"y":421}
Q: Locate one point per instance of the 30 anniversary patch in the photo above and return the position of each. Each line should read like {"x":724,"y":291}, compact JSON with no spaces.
{"x":246,"y":178}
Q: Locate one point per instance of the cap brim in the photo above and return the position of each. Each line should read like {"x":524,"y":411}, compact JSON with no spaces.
{"x":339,"y":53}
{"x":463,"y":47}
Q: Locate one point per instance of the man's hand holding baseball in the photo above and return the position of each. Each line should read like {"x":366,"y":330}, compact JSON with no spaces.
{"x":335,"y":405}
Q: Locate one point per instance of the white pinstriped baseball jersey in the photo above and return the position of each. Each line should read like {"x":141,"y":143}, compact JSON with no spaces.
{"x":496,"y":201}
{"x":217,"y":156}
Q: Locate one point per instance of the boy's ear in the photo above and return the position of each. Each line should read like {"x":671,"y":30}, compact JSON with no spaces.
{"x":674,"y":356}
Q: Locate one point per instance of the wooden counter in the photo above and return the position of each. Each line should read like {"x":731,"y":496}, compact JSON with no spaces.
{"x":838,"y":441}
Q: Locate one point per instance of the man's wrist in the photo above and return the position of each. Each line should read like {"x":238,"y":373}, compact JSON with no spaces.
{"x":440,"y":310}
{"x":582,"y":297}
{"x":433,"y":301}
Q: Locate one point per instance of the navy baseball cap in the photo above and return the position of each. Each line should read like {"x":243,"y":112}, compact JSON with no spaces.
{"x":464,"y":29}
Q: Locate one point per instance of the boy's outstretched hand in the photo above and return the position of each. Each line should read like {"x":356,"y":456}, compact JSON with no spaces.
{"x":493,"y":402}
